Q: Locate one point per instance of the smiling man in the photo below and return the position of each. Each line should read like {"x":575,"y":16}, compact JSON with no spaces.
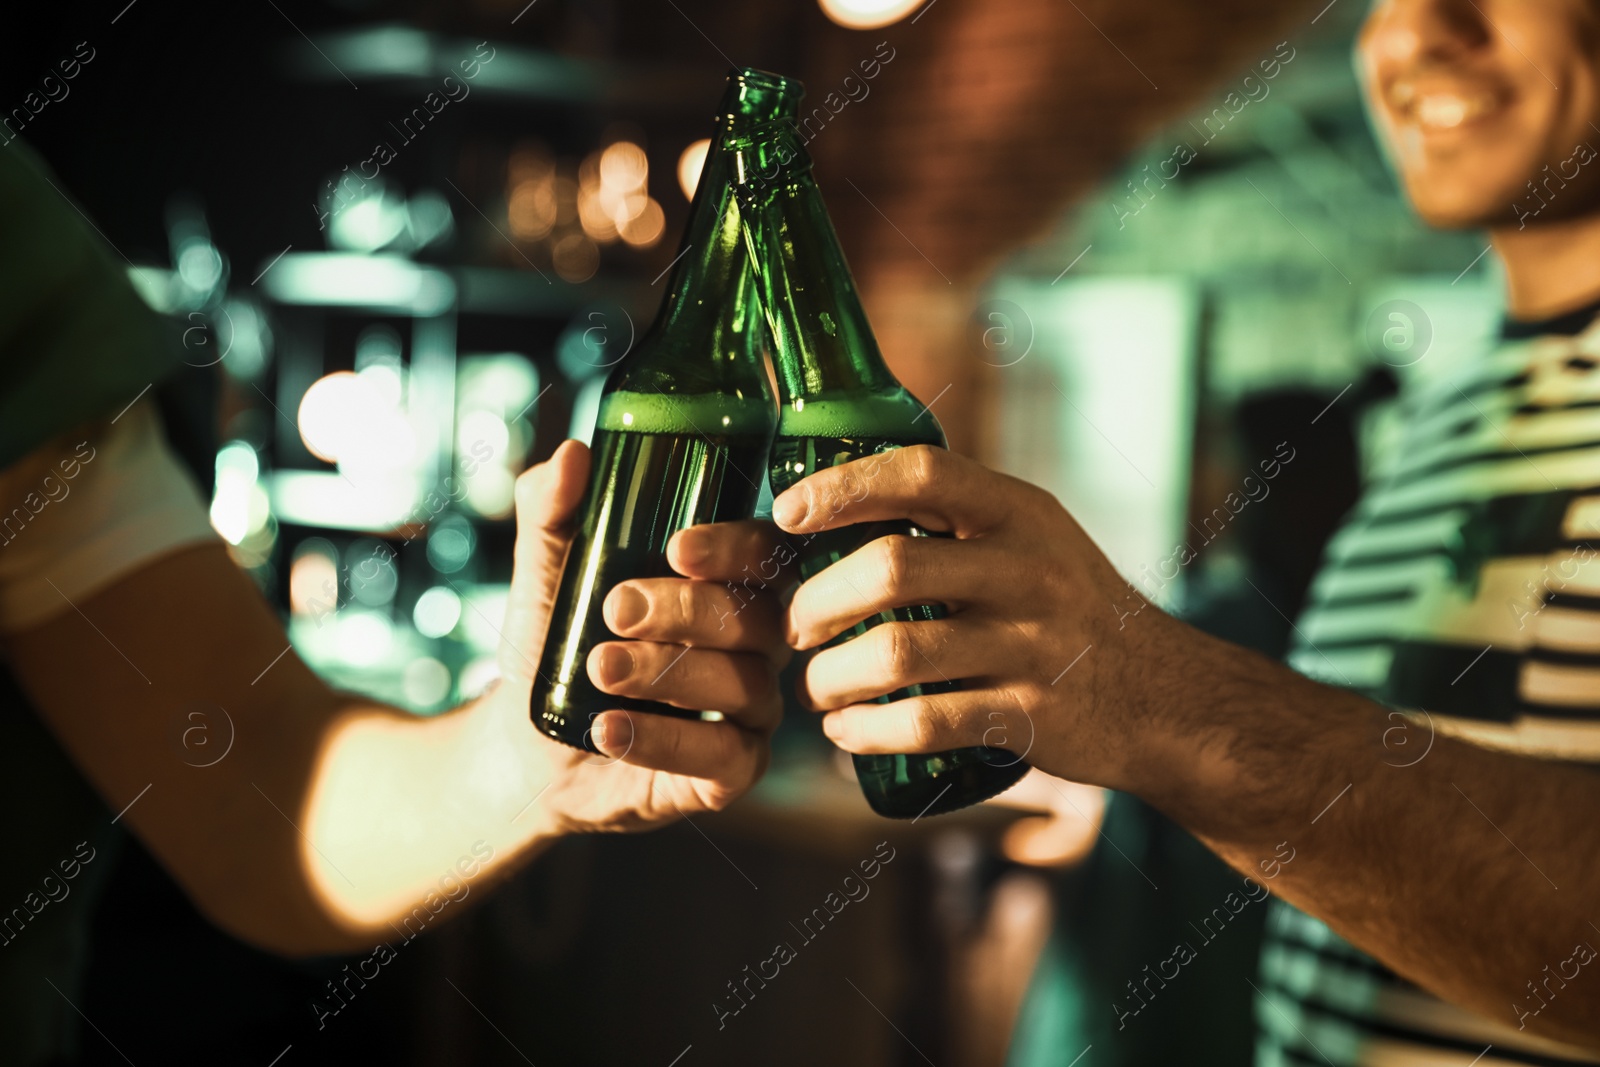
{"x":1430,"y":762}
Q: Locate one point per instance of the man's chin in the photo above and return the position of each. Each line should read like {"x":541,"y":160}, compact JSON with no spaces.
{"x":1464,"y":214}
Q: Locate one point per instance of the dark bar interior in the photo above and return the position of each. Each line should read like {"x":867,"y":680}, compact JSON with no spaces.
{"x":1161,"y":438}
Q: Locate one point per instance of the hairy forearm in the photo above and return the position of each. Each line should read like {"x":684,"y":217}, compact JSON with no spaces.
{"x":1472,"y":872}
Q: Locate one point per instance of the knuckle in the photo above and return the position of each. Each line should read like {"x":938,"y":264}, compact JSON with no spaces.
{"x":925,"y":726}
{"x":894,"y":650}
{"x":728,"y":610}
{"x":838,"y":493}
{"x":1027,"y":699}
{"x":686,"y":604}
{"x":1041,"y":498}
{"x":926,"y":464}
{"x":894,"y":562}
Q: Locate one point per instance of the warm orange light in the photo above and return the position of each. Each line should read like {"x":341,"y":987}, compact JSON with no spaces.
{"x":575,"y":258}
{"x":531,"y":209}
{"x":868,"y":14}
{"x":690,"y":164}
{"x":645,"y":228}
{"x":623,"y":166}
{"x":313,"y":584}
{"x":530,"y":192}
{"x":597,"y":221}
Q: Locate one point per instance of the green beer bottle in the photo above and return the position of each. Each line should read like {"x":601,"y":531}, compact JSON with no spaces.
{"x":837,"y":403}
{"x":681,"y":438}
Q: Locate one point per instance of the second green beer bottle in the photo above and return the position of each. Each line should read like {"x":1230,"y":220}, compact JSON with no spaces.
{"x":838,"y":402}
{"x":681,"y":438}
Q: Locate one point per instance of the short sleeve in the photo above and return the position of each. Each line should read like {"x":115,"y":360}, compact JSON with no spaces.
{"x":76,"y":341}
{"x":88,"y":508}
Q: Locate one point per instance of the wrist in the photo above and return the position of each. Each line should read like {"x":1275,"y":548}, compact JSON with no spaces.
{"x":516,"y":766}
{"x":1238,"y":747}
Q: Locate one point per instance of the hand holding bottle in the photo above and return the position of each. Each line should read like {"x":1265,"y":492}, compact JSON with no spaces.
{"x":1061,"y":662}
{"x":838,"y":402}
{"x":691,"y":643}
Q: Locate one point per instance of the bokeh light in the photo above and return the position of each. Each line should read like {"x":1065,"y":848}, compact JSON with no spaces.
{"x":314,"y":578}
{"x":239,"y":505}
{"x":450,"y":544}
{"x":690,"y":164}
{"x":356,"y":422}
{"x":575,"y":258}
{"x":868,"y":14}
{"x":437,"y":611}
{"x":373,"y":576}
{"x":645,"y":228}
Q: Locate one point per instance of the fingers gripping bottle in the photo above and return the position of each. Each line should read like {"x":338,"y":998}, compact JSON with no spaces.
{"x":681,"y":438}
{"x":837,"y":402}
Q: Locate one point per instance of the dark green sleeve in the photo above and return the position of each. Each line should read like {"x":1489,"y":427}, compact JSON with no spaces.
{"x":76,"y":340}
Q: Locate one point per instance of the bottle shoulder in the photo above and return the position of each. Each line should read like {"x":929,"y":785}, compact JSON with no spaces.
{"x":746,"y":388}
{"x":892,"y":416}
{"x":655,"y":404}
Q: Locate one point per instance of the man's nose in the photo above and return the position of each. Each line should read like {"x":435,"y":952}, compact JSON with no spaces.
{"x":1415,"y":31}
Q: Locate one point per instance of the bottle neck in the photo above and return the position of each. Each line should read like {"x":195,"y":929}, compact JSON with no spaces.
{"x":822,"y":342}
{"x":712,"y":258}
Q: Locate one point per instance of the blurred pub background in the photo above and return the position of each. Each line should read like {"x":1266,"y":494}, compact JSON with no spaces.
{"x":1113,"y":263}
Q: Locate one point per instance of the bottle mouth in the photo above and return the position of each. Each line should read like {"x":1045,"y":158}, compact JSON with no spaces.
{"x":761,"y":96}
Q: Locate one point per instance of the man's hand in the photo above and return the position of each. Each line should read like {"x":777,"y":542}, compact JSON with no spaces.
{"x":692,"y":642}
{"x":1446,"y":869}
{"x":1039,"y":628}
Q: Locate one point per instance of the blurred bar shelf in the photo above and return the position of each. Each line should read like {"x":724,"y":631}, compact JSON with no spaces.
{"x":403,"y":59}
{"x":396,"y":285}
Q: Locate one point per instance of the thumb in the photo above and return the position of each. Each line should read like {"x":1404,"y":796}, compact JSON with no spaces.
{"x":547,"y":498}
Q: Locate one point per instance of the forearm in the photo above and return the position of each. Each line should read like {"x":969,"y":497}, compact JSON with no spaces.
{"x":1471,"y":872}
{"x":406,"y":813}
{"x":294,"y":783}
{"x":307,"y":821}
{"x":1445,"y":869}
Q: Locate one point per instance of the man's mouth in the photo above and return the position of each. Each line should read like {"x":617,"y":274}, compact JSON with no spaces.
{"x":1438,"y":107}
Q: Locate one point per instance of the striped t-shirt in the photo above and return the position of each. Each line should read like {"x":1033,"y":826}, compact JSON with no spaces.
{"x":1473,"y":559}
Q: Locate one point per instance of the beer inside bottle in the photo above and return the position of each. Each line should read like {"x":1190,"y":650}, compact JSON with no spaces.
{"x":681,"y":438}
{"x":661,"y":464}
{"x":838,"y":402}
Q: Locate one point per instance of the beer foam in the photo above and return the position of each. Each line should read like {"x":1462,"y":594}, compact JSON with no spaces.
{"x":888,"y":414}
{"x":709,"y":414}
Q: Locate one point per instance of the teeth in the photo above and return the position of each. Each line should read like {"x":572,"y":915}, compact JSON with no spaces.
{"x":1440,"y":109}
